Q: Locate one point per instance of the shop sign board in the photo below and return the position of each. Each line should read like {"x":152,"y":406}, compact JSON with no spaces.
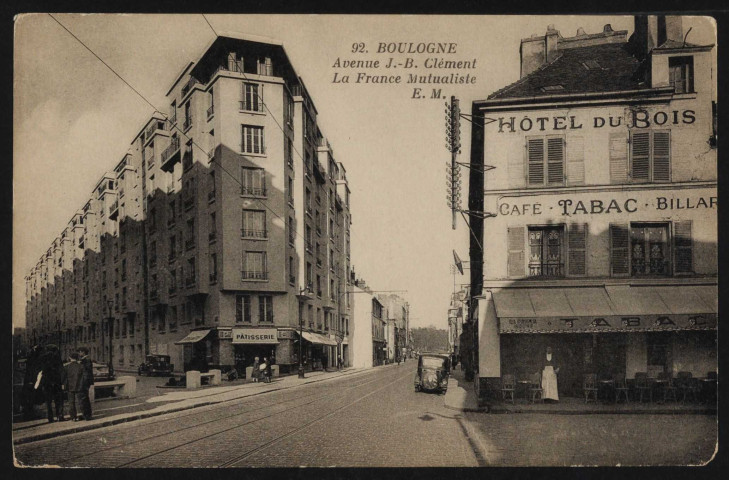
{"x":255,"y":335}
{"x":285,"y":334}
{"x":225,"y":334}
{"x":610,"y":323}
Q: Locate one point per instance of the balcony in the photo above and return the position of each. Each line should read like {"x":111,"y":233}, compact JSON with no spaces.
{"x":170,"y":155}
{"x":188,"y":86}
{"x":250,"y":233}
{"x":211,"y":111}
{"x":152,"y":130}
{"x":114,"y":210}
{"x":252,"y":106}
{"x":253,"y":191}
{"x":211,"y":154}
{"x":253,"y":275}
{"x":319,"y":172}
{"x":186,"y":124}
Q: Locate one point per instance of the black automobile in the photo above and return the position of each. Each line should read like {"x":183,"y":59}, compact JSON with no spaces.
{"x":433,"y":372}
{"x":102,"y":372}
{"x":156,"y":365}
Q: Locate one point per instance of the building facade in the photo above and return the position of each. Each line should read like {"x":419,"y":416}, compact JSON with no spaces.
{"x":201,"y":240}
{"x":398,"y":322}
{"x":604,"y":241}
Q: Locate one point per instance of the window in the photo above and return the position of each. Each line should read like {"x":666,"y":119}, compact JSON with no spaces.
{"x":288,"y":152}
{"x":188,"y":119}
{"x":243,"y":308}
{"x":681,"y":74}
{"x":252,"y":97}
{"x":292,"y":271}
{"x":292,"y":231}
{"x":254,"y":266}
{"x":309,"y":275}
{"x":211,"y":103}
{"x":307,"y":238}
{"x":213,"y":228}
{"x":252,"y":139}
{"x":173,"y":112}
{"x":265,"y":308}
{"x":308,"y":201}
{"x":173,"y":318}
{"x":545,"y":161}
{"x":545,"y":251}
{"x":253,"y":224}
{"x":211,"y":193}
{"x":649,"y":249}
{"x":253,"y":181}
{"x":640,"y":249}
{"x":190,"y":240}
{"x":213,"y":268}
{"x":291,"y":191}
{"x":650,"y":156}
{"x":264,"y":66}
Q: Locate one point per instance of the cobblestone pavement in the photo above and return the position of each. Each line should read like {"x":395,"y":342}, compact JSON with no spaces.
{"x":374,"y":419}
{"x":598,"y":439}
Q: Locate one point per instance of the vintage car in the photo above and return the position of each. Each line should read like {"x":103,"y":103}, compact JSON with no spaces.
{"x":102,"y":372}
{"x":433,"y":372}
{"x":156,"y":365}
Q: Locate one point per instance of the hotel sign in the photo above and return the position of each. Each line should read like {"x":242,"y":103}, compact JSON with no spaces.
{"x":610,"y":323}
{"x":255,"y":336}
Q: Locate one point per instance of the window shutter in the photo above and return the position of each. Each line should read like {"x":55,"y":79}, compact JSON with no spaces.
{"x":683,"y":247}
{"x":231,"y":61}
{"x":640,"y":155}
{"x":576,"y":161}
{"x":515,"y":169}
{"x":555,"y":160}
{"x":661,"y":156}
{"x":260,"y":98}
{"x":535,"y":161}
{"x":515,"y":246}
{"x":577,"y":243}
{"x":619,"y":250}
{"x":618,"y":158}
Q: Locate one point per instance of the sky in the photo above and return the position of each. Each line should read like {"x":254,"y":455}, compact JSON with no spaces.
{"x":74,"y":120}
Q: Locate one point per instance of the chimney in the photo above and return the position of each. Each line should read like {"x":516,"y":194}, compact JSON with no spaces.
{"x":535,"y":51}
{"x":652,"y":31}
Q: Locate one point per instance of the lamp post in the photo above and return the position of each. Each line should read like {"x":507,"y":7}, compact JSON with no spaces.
{"x":110,"y":325}
{"x":304,"y":295}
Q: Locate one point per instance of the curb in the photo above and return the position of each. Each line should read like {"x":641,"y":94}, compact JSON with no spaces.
{"x":143,"y":415}
{"x":693,"y":411}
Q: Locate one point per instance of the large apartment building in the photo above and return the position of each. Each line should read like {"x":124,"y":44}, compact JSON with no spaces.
{"x":604,"y":241}
{"x":224,"y":226}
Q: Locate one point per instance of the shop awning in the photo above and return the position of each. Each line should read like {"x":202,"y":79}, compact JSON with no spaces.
{"x":193,"y":337}
{"x":318,"y":339}
{"x":606,"y":309}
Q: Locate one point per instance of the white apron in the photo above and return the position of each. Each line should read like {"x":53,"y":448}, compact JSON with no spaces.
{"x":549,"y":382}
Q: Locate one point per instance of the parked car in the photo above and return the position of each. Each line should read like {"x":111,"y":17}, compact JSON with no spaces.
{"x":433,"y":372}
{"x":156,"y":365}
{"x":102,"y":372}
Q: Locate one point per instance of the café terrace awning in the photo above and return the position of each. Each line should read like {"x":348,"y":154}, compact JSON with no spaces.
{"x":610,"y":308}
{"x":318,"y":339}
{"x":193,"y":337}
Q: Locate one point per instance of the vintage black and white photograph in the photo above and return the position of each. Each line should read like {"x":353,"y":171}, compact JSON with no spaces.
{"x":278,"y":240}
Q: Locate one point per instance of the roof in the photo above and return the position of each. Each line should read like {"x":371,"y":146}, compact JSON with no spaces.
{"x":599,"y":68}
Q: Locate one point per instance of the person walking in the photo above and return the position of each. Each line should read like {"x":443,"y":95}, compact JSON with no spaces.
{"x":267,"y":370}
{"x":256,"y":373}
{"x":52,"y":382}
{"x":74,"y":385}
{"x":88,"y":380}
{"x":339,"y":362}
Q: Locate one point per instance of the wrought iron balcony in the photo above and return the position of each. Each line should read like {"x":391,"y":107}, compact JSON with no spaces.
{"x":251,"y":233}
{"x":253,"y":191}
{"x":253,"y":275}
{"x":170,"y":155}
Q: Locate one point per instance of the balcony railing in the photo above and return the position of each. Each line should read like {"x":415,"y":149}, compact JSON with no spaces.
{"x":188,"y":86}
{"x":254,"y":191}
{"x":253,"y":275}
{"x":186,"y":124}
{"x":114,"y":210}
{"x":211,"y":111}
{"x":546,"y":270}
{"x":309,"y":246}
{"x":170,"y":155}
{"x":251,"y":233}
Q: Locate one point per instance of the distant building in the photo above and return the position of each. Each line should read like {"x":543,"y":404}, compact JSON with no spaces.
{"x":398,"y":323}
{"x":604,"y":244}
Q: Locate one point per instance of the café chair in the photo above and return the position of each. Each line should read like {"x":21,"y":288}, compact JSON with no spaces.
{"x":620,"y":386}
{"x":643,"y":385}
{"x":669,"y":388}
{"x":687,"y":383}
{"x":589,"y":386}
{"x":507,"y":386}
{"x":535,"y":387}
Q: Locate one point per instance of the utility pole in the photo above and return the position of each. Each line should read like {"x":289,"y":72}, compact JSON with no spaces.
{"x":453,"y":145}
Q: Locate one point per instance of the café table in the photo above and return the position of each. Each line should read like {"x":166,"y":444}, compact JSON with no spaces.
{"x":524,"y":386}
{"x":605,"y":385}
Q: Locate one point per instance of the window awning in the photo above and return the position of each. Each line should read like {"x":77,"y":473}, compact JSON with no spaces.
{"x":607,"y":309}
{"x":193,"y":337}
{"x":318,"y":339}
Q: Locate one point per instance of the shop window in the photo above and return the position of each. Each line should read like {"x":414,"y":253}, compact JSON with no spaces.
{"x":545,"y":251}
{"x":650,"y":156}
{"x":681,"y":74}
{"x":243,"y":308}
{"x":545,"y":161}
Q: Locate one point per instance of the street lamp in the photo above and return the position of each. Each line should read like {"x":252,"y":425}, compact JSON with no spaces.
{"x":304,"y":295}
{"x":110,"y":322}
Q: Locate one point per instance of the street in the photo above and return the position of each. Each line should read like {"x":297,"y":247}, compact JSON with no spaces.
{"x":375,"y":419}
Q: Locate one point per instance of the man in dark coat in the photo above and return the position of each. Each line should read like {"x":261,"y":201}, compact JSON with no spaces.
{"x":52,"y":381}
{"x":88,"y":378}
{"x":74,"y":385}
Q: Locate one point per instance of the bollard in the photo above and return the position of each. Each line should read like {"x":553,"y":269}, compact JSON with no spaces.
{"x":193,"y":379}
{"x":216,"y":376}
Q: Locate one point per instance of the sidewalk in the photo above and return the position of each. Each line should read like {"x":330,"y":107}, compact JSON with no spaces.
{"x":462,"y":396}
{"x":172,"y":401}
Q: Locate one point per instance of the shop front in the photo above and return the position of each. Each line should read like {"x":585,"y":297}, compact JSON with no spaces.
{"x":251,"y":343}
{"x":379,"y":352}
{"x":317,"y":350}
{"x":603,"y":330}
{"x":197,"y":350}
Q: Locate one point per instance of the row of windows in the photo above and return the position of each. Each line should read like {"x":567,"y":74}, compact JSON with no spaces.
{"x":549,"y":163}
{"x":243,"y":311}
{"x":636,"y":249}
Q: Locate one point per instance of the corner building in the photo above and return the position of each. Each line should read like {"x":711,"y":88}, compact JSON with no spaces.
{"x":604,"y":240}
{"x":200,"y":242}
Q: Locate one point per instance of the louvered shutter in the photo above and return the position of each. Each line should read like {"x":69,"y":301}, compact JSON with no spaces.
{"x":577,"y":243}
{"x":640,"y":154}
{"x":618,"y":158}
{"x":661,"y":156}
{"x":683,"y":247}
{"x":515,"y":168}
{"x":535,"y":161}
{"x":619,"y":250}
{"x":515,"y":246}
{"x":576,"y":161}
{"x":555,"y":160}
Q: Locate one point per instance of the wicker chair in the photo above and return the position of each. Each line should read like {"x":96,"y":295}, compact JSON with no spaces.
{"x":507,"y":386}
{"x":687,"y":384}
{"x":589,"y":386}
{"x":620,"y":386}
{"x":535,"y":387}
{"x":669,"y":388}
{"x":643,"y":385}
